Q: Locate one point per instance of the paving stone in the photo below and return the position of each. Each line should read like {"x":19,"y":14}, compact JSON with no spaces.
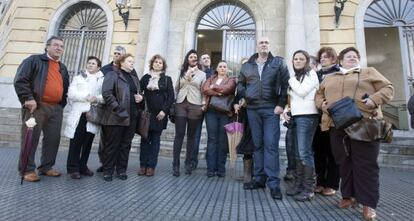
{"x":164,"y":197}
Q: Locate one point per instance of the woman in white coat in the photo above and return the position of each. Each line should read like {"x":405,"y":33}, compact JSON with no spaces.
{"x":302,"y":88}
{"x":84,"y":90}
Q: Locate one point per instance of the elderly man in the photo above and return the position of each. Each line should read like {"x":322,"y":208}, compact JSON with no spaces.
{"x":41,"y":83}
{"x":262,"y":85}
{"x":118,"y":52}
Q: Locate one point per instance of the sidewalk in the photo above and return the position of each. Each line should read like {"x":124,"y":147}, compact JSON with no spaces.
{"x":164,"y":197}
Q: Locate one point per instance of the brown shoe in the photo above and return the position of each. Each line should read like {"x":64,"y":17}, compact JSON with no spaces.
{"x":318,"y":189}
{"x":368,"y":213}
{"x":328,"y":192}
{"x":142,"y":171}
{"x":150,"y":172}
{"x":347,"y":203}
{"x":31,"y":177}
{"x":51,"y":173}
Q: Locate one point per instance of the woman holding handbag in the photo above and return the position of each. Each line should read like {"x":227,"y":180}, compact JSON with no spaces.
{"x":120,"y":91}
{"x":357,"y":160}
{"x":158,"y":95}
{"x":219,"y":90}
{"x":84,"y":91}
{"x":302,"y":88}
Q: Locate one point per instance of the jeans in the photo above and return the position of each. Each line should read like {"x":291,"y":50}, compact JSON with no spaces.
{"x":305,"y":130}
{"x":264,"y":125}
{"x":150,"y":149}
{"x":217,"y":146}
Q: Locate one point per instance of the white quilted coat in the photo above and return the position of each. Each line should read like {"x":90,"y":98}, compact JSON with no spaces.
{"x":80,"y":88}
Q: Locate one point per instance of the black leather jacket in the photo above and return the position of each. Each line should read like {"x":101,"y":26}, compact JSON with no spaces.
{"x":115,"y":92}
{"x":268,"y":91}
{"x":30,"y":79}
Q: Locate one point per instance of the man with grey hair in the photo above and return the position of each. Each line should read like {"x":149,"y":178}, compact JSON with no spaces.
{"x":118,"y":52}
{"x":262,"y":85}
{"x":41,"y":83}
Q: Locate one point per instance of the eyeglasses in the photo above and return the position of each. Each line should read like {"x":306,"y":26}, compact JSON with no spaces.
{"x":117,"y":53}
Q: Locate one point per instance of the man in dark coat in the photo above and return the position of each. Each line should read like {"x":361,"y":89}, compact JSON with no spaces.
{"x":262,"y":84}
{"x":41,"y":83}
{"x":118,"y":52}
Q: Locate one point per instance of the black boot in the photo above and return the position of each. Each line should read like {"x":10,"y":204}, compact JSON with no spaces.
{"x":176,"y":171}
{"x":309,"y":182}
{"x":298,"y":184}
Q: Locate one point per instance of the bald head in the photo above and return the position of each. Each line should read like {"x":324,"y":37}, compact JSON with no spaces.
{"x":263,"y":45}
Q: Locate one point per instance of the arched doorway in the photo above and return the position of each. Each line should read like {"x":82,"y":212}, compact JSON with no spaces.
{"x":226,"y":31}
{"x":83,"y":28}
{"x":389,"y":31}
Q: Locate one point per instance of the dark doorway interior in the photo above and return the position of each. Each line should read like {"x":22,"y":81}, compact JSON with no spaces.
{"x":210,"y":42}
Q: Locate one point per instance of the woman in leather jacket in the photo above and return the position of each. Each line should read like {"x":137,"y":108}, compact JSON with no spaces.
{"x":120,"y":91}
{"x":218,"y":85}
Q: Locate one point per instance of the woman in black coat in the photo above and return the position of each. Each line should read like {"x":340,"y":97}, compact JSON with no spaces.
{"x":159,"y":96}
{"x":120,"y":91}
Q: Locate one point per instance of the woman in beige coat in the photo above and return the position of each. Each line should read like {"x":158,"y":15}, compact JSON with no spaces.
{"x":358,"y":159}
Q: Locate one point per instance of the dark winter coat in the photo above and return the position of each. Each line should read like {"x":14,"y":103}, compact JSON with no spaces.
{"x":116,"y":93}
{"x":158,"y":100}
{"x":31,"y":76}
{"x":270,"y":89}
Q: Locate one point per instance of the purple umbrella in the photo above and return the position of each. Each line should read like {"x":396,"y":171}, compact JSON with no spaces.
{"x":234,"y":134}
{"x":24,"y":157}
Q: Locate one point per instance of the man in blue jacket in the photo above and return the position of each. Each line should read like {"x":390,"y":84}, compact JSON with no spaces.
{"x":41,"y":83}
{"x":262,"y":84}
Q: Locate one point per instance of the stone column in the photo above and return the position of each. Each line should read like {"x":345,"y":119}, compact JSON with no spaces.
{"x":158,"y":34}
{"x":295,"y":29}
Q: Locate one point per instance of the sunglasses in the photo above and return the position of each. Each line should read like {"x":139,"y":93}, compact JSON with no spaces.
{"x":117,"y":53}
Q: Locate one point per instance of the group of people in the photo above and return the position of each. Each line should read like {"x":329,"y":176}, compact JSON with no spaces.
{"x":265,"y":89}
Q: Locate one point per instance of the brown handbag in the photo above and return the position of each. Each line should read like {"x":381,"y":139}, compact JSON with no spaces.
{"x":221,"y":103}
{"x":95,"y":113}
{"x":143,"y":123}
{"x":370,"y":129}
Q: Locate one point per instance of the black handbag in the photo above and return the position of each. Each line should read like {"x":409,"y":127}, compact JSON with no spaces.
{"x":370,"y":129}
{"x":95,"y":113}
{"x":221,"y":103}
{"x":345,"y":112}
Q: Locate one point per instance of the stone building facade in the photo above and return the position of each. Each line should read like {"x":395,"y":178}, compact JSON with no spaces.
{"x":226,"y":29}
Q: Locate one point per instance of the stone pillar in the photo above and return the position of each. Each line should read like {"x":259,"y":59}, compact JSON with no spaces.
{"x":158,"y":34}
{"x":295,"y":29}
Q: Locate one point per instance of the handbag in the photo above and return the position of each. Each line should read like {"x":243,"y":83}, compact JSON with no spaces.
{"x":143,"y":123}
{"x":221,"y":103}
{"x":345,"y":112}
{"x":95,"y":113}
{"x":370,"y":129}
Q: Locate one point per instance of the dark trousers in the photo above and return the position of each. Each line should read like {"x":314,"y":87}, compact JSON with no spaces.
{"x":358,"y":168}
{"x":79,"y":148}
{"x":217,"y":145}
{"x":327,"y":172}
{"x":181,"y":124}
{"x":150,"y":149}
{"x":291,"y":147}
{"x":49,"y":121}
{"x":194,"y":156}
{"x":117,"y":140}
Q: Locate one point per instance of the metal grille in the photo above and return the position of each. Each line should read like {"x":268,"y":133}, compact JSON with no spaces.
{"x":226,"y":16}
{"x":237,"y":45}
{"x":387,"y":13}
{"x":84,"y":32}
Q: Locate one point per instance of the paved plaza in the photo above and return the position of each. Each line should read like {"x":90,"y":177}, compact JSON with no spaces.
{"x":164,"y":197}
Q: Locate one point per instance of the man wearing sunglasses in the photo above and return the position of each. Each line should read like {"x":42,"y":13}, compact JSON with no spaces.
{"x":118,"y":52}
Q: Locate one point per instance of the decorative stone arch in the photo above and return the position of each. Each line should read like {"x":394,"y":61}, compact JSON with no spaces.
{"x":190,"y":27}
{"x":359,"y":30}
{"x":59,"y":14}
